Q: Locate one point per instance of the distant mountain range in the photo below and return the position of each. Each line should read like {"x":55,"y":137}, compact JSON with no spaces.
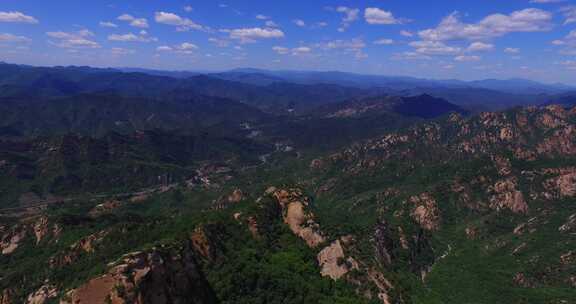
{"x":276,"y":92}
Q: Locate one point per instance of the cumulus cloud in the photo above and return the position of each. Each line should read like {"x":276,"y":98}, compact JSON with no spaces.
{"x":270,"y":23}
{"x":294,"y":51}
{"x":107,"y":24}
{"x":496,"y":25}
{"x":73,"y":40}
{"x":480,"y":47}
{"x":350,"y":15}
{"x":185,"y":48}
{"x":299,"y":22}
{"x":546,"y":1}
{"x":354,"y":46}
{"x":133,"y":21}
{"x":569,"y":64}
{"x":384,"y":42}
{"x":410,"y":56}
{"x":434,"y":48}
{"x":131,"y":37}
{"x":188,"y":8}
{"x":182,"y":24}
{"x":219,"y":42}
{"x":250,"y":35}
{"x":121,"y":51}
{"x":406,"y":33}
{"x":463,"y":58}
{"x":17,"y":17}
{"x":10,"y":38}
{"x":511,"y":50}
{"x":569,"y":13}
{"x":262,"y":17}
{"x":374,"y":15}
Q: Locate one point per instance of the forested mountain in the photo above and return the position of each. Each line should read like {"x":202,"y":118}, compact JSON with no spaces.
{"x":123,"y":187}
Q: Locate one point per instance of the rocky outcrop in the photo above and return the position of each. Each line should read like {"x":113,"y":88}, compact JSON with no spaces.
{"x":12,"y":238}
{"x":105,"y":208}
{"x":42,"y":295}
{"x":569,"y":226}
{"x":236,"y":196}
{"x":384,"y":244}
{"x":504,"y":194}
{"x":6,"y":296}
{"x":425,"y":212}
{"x":161,"y":275}
{"x":299,"y":220}
{"x":563,"y":185}
{"x":334,"y":263}
{"x":85,"y":245}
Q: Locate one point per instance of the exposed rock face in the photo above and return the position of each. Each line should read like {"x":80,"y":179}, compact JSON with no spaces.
{"x":6,"y":296}
{"x":42,"y":295}
{"x":426,"y":212}
{"x":41,"y":229}
{"x":333,"y":261}
{"x":236,"y":196}
{"x":563,"y":185}
{"x":295,"y":216}
{"x":105,"y":207}
{"x":570,"y":225}
{"x":83,"y":246}
{"x":156,"y":276}
{"x":11,"y":239}
{"x":383,"y":243}
{"x":505,"y":195}
{"x":521,"y":280}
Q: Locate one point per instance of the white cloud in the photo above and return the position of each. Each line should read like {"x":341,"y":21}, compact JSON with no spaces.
{"x":188,"y":8}
{"x":281,"y":50}
{"x":262,"y":17}
{"x":384,"y":42}
{"x":121,"y":51}
{"x":299,"y":22}
{"x":182,"y":24}
{"x":270,"y":23}
{"x":294,"y":51}
{"x":406,"y":33}
{"x":250,"y":35}
{"x":350,"y":15}
{"x":107,"y":24}
{"x":219,"y":42}
{"x":9,"y":38}
{"x":569,"y":64}
{"x":569,"y":13}
{"x":480,"y":47}
{"x":511,"y":50}
{"x":410,"y":56}
{"x":434,"y":48}
{"x":17,"y":17}
{"x":130,"y":37}
{"x":164,"y":48}
{"x":463,"y":58}
{"x":496,"y":25}
{"x":185,"y":48}
{"x":73,"y":40}
{"x":546,"y":1}
{"x":321,"y":24}
{"x":374,"y":15}
{"x":558,"y":42}
{"x":133,"y":21}
{"x":354,"y":46}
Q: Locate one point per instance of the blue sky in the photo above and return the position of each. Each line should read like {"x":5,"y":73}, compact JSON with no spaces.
{"x":469,"y":39}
